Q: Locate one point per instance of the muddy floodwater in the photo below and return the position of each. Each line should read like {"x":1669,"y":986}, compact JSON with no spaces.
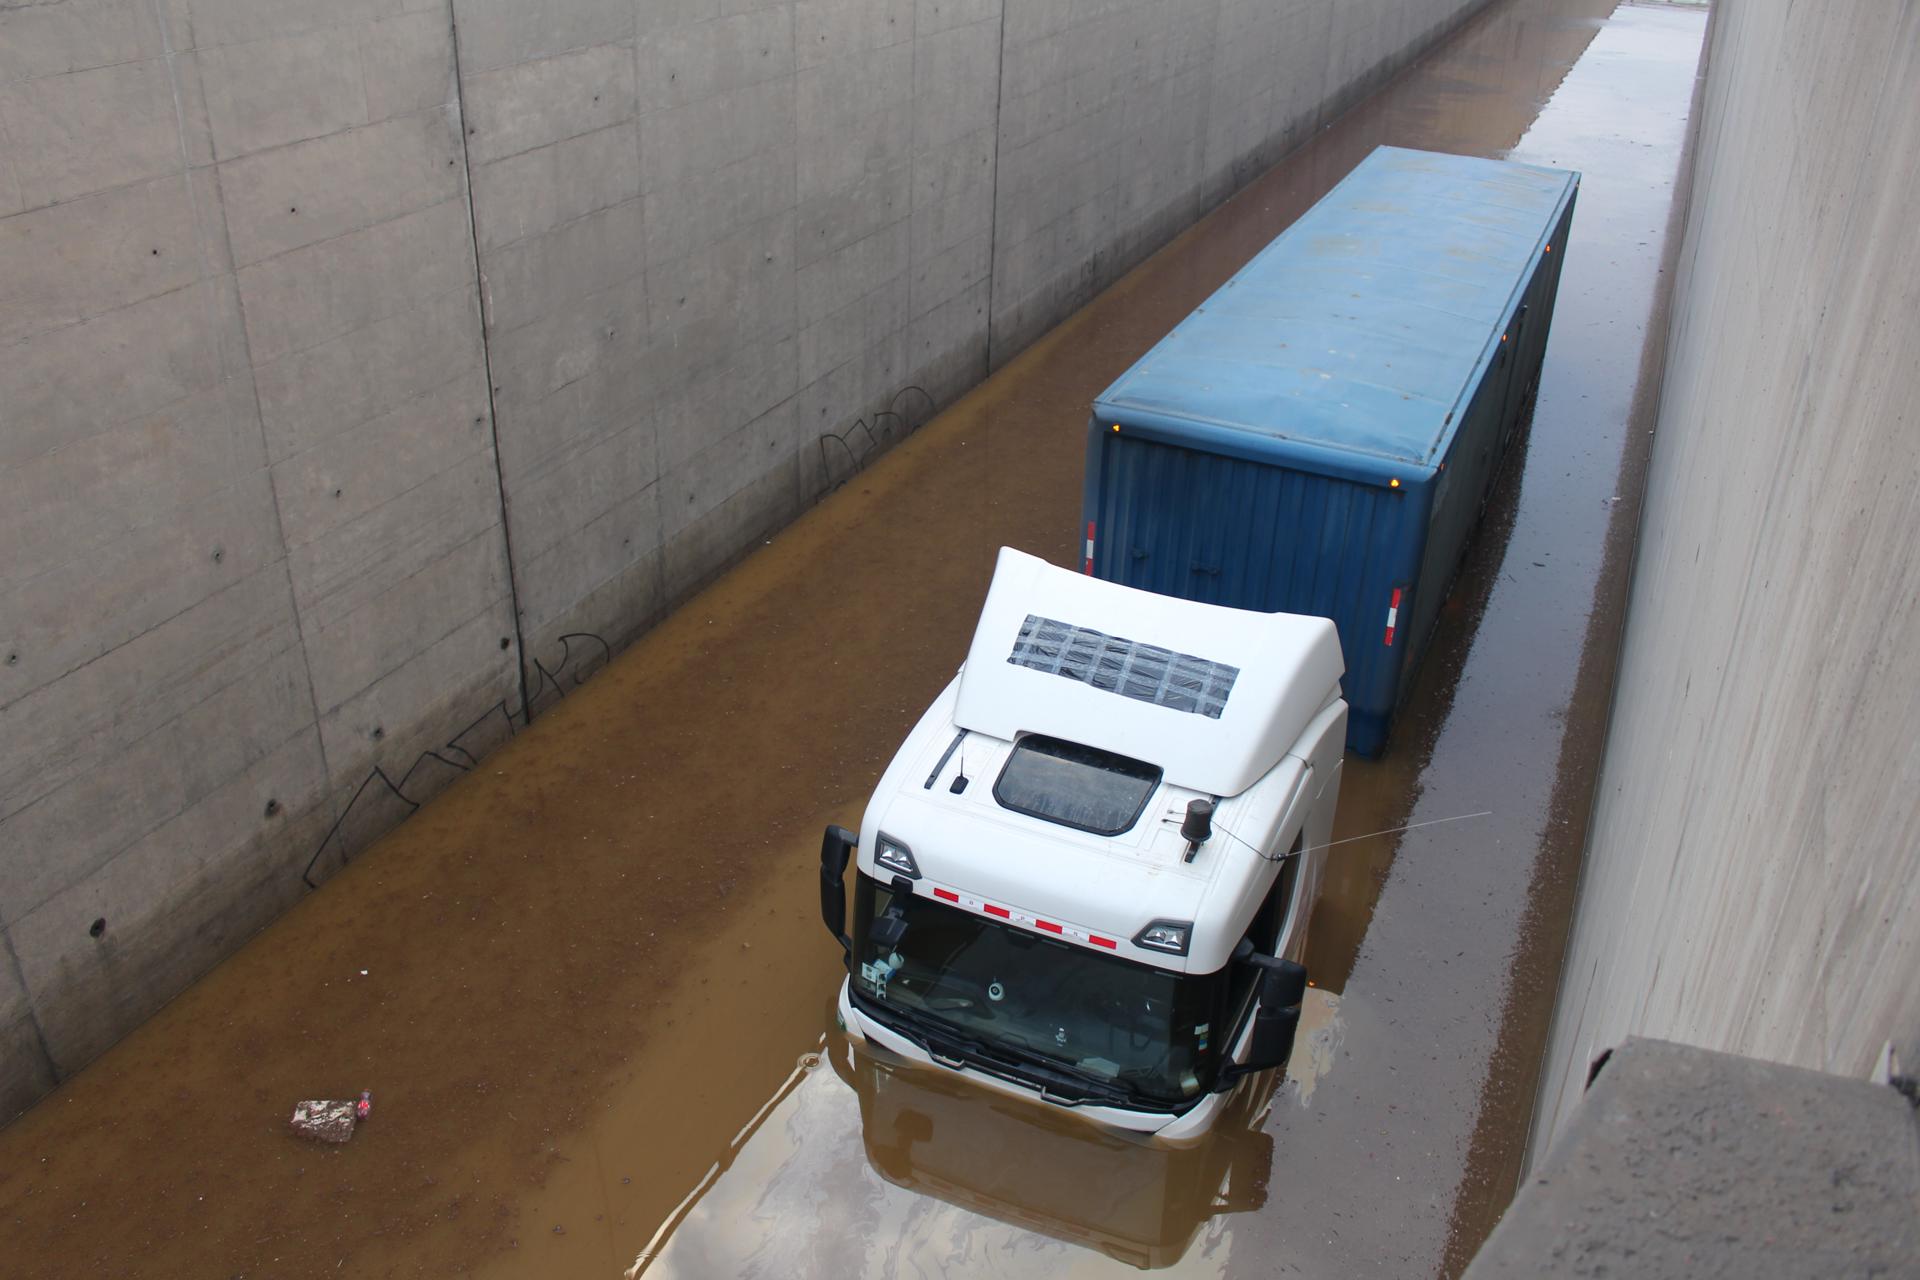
{"x":588,"y":986}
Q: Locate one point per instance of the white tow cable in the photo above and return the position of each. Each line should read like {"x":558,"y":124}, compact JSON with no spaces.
{"x":1390,"y":831}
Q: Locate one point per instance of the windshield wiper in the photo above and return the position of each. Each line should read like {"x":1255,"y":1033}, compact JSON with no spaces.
{"x":1090,"y":1086}
{"x":935,"y":1037}
{"x":1058,"y":1081}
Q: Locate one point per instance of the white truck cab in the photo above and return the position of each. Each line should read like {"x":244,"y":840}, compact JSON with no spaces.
{"x":1085,"y":879}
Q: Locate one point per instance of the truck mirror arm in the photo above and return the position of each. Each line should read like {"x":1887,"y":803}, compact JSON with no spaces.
{"x":1243,"y":953}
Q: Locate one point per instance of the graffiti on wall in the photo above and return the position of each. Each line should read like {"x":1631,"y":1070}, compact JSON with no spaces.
{"x":382,"y":800}
{"x":845,"y":454}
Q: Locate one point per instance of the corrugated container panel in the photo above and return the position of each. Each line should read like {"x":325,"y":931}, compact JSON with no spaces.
{"x":1204,"y":526}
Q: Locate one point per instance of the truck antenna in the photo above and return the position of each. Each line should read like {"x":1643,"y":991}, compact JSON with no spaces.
{"x":1198,"y":827}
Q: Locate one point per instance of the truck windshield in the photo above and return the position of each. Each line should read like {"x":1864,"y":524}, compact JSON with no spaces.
{"x":1150,"y":1034}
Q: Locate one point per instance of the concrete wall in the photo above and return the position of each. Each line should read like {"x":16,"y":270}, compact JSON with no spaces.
{"x":247,"y":494}
{"x":1122,"y":121}
{"x":373,"y":369}
{"x":1753,"y":879}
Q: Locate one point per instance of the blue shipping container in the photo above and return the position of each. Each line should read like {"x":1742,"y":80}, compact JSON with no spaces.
{"x":1321,"y":434}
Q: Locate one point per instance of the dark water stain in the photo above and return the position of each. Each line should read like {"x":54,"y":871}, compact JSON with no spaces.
{"x":591,"y":966}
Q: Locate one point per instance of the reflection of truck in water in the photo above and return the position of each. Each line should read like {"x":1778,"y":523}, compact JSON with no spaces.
{"x":1141,"y":1203}
{"x":934,"y":1177}
{"x":1086,"y":876}
{"x":1321,"y":435}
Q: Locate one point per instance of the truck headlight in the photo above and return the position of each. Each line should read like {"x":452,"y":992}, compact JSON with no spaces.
{"x":1165,"y":935}
{"x":894,"y":856}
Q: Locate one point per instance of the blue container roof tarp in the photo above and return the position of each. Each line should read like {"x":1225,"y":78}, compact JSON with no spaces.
{"x":1362,"y":327}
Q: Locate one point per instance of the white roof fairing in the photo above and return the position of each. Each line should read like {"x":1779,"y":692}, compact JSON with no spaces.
{"x":1289,"y":665}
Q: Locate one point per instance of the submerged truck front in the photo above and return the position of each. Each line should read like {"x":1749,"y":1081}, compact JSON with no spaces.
{"x":1086,"y":876}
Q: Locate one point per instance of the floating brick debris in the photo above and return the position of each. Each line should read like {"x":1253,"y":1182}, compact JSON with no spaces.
{"x":330,"y":1120}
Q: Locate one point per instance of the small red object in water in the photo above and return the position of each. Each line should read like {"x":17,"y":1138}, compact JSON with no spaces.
{"x":364,"y":1108}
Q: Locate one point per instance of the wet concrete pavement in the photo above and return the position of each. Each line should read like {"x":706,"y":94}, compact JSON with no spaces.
{"x":591,"y":967}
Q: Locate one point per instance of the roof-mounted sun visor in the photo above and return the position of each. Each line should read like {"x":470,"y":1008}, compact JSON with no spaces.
{"x":1214,"y":696}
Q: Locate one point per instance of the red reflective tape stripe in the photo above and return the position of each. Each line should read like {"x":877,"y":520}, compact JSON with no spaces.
{"x":1045,"y":926}
{"x":1393,"y":614}
{"x":1089,"y":548}
{"x":1395,"y":602}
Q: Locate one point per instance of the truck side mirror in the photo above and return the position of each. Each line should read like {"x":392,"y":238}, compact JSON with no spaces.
{"x":1282,"y":988}
{"x":1283,"y":985}
{"x":836,"y":849}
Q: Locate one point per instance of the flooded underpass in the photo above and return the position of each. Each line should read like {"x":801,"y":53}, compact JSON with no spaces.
{"x":589,"y":987}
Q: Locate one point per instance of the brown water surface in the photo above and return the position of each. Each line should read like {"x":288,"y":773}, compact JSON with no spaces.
{"x":588,"y":985}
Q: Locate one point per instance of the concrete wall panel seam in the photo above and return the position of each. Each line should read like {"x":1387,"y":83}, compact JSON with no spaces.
{"x":999,"y":152}
{"x":486,"y":350}
{"x":31,"y":1014}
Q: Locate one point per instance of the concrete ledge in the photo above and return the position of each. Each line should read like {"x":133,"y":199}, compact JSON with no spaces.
{"x":1683,"y":1162}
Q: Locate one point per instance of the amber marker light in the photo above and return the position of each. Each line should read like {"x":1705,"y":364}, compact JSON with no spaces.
{"x":1394,"y":483}
{"x":1116,"y":428}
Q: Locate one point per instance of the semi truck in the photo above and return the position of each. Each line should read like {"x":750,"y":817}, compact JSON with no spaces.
{"x":1086,"y":877}
{"x":1322,"y":434}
